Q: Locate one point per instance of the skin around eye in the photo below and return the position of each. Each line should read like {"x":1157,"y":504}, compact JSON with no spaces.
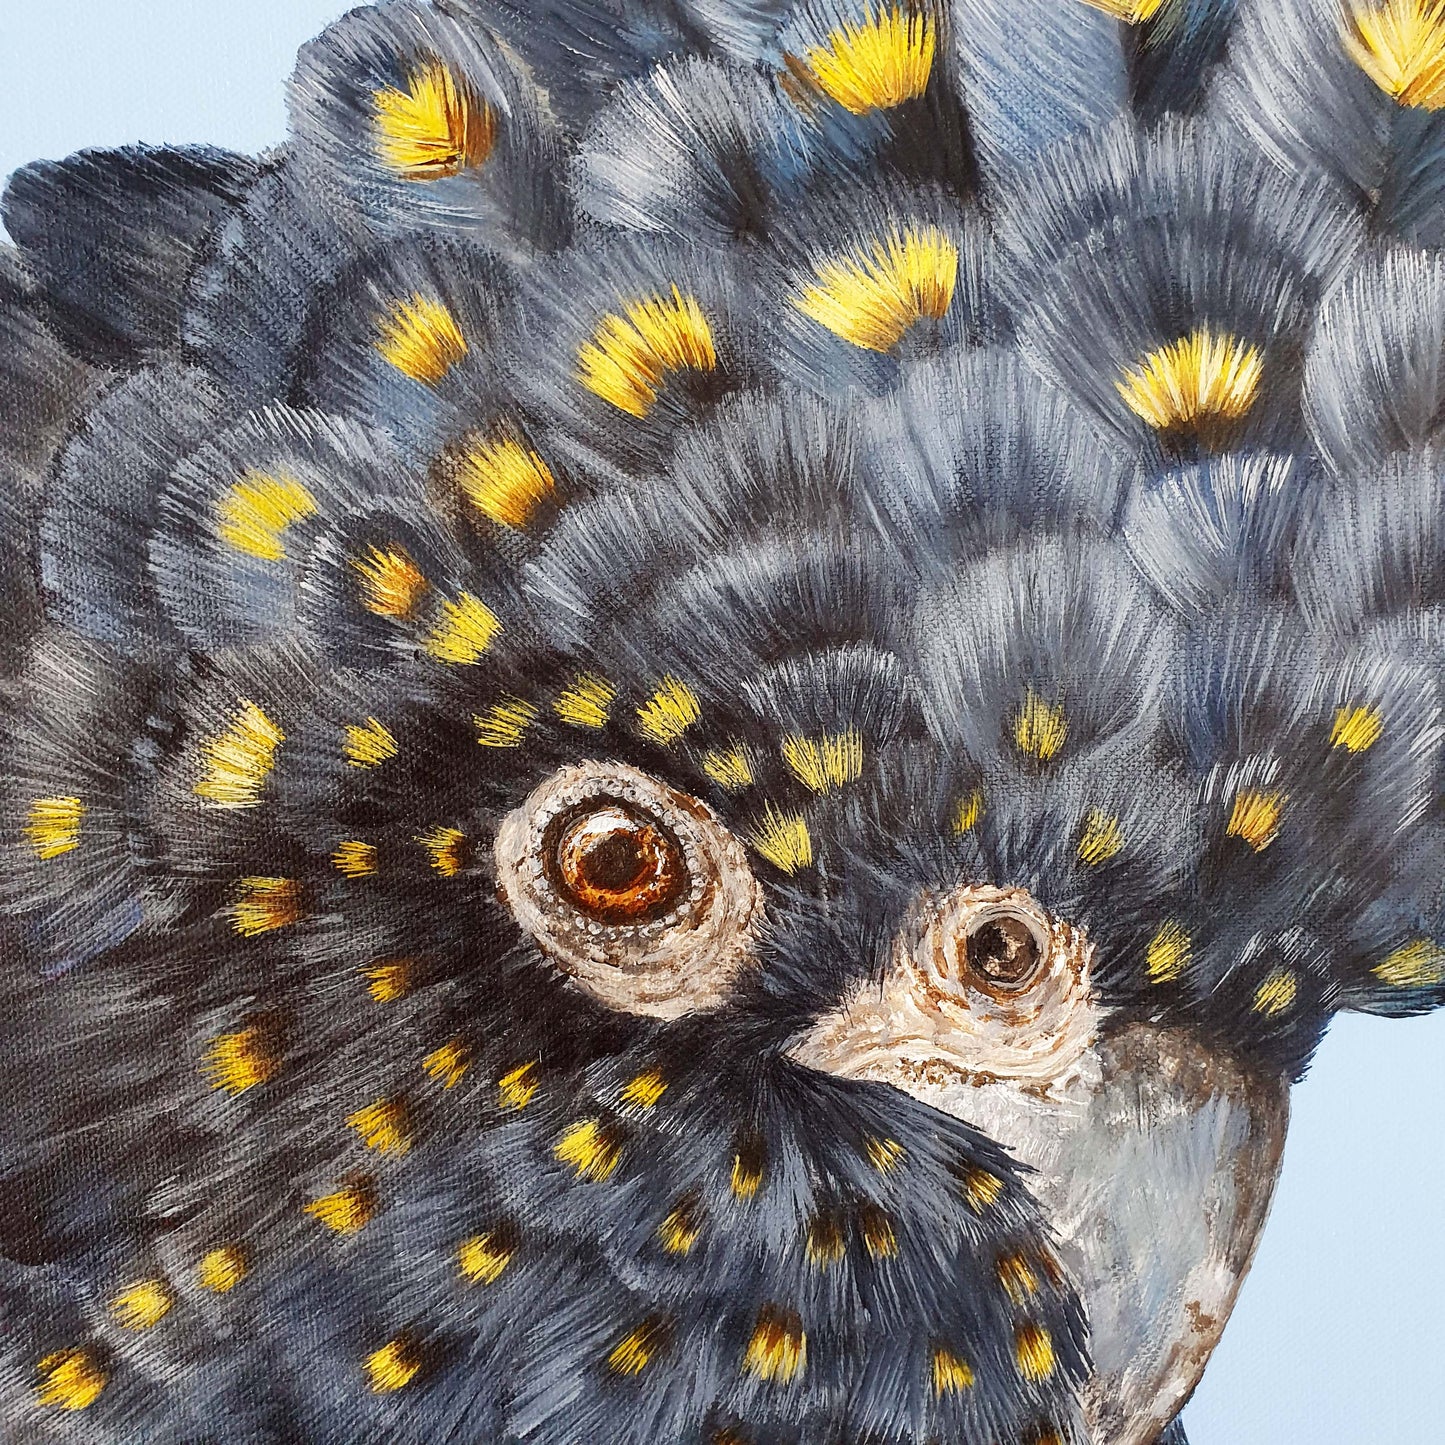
{"x":635,"y":890}
{"x":1004,"y":953}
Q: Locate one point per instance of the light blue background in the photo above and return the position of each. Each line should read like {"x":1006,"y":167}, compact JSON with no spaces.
{"x":1339,"y":1338}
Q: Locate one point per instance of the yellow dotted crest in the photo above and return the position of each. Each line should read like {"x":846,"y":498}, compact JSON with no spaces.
{"x":143,"y":1305}
{"x":383,"y":1126}
{"x":448,"y":1064}
{"x":783,"y":839}
{"x":484,"y":1258}
{"x":368,"y":744}
{"x":222,"y":1269}
{"x":516,"y":1088}
{"x":592,"y":1150}
{"x":1256,"y":817}
{"x":1102,"y":838}
{"x":1034,"y":1352}
{"x":345,"y":1210}
{"x":239,"y":1061}
{"x":1041,"y":728}
{"x":265,"y":904}
{"x":505,"y":723}
{"x":254,"y":513}
{"x":394,"y":1366}
{"x":503,"y":478}
{"x":873,"y":296}
{"x":1169,"y":953}
{"x":682,"y":1227}
{"x":951,"y":1375}
{"x":355,"y":858}
{"x":421,"y":338}
{"x":1400,"y":45}
{"x":876,"y":63}
{"x":730,"y":768}
{"x":437,"y":127}
{"x":390,"y":584}
{"x":1205,"y":376}
{"x":388,"y":979}
{"x":633,"y":1354}
{"x":669,"y":712}
{"x":465,"y":632}
{"x":629,"y":354}
{"x":1357,"y":729}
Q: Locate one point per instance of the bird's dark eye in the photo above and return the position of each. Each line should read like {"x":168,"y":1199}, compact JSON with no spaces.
{"x":614,"y":863}
{"x":1004,"y":952}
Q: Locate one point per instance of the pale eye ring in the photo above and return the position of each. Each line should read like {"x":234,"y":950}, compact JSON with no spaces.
{"x":636,"y":890}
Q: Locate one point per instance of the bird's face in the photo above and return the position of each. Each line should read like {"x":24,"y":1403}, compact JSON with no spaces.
{"x":1151,"y":1152}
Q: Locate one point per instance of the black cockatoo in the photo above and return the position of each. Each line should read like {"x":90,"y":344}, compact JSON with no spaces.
{"x":702,"y":708}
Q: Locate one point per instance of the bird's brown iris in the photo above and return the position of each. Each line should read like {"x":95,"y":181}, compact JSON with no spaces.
{"x":1003,"y":952}
{"x":615,"y":863}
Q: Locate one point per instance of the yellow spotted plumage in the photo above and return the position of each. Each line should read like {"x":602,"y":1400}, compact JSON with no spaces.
{"x":1206,"y":376}
{"x":394,"y":1366}
{"x":70,"y":1380}
{"x":1400,"y":45}
{"x":783,"y":839}
{"x":256,"y":512}
{"x":53,"y":826}
{"x":592,"y":1150}
{"x":483,"y":1258}
{"x":825,"y":762}
{"x":778,"y":1349}
{"x":237,"y":761}
{"x":503,"y":478}
{"x":143,"y":1305}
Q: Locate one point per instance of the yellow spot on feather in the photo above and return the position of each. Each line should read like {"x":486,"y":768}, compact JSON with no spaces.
{"x":1276,"y":995}
{"x":239,"y":1061}
{"x":644,"y":1091}
{"x":238,"y":761}
{"x":633,"y":1354}
{"x":265,"y":904}
{"x":1017,"y":1277}
{"x":629,"y":354}
{"x":1034,"y":1351}
{"x":1169,"y":953}
{"x":448,"y":1064}
{"x":354,"y":858}
{"x":778,"y":1349}
{"x":437,"y":127}
{"x":783,"y":839}
{"x":446,"y":849}
{"x":587,"y":703}
{"x":826,"y":1244}
{"x":885,"y":1155}
{"x":1418,"y":964}
{"x":222,"y":1269}
{"x":1357,"y":729}
{"x":1131,"y":12}
{"x":142,"y":1305}
{"x":876,"y":64}
{"x":465,"y":631}
{"x":1040,"y":728}
{"x":395,"y":1365}
{"x":347,"y":1209}
{"x":70,"y":1380}
{"x":951,"y":1376}
{"x":747,"y":1172}
{"x":391,"y":584}
{"x":879,"y":1236}
{"x":1205,"y":376}
{"x":1256,"y":817}
{"x":517,"y":1086}
{"x":592,"y":1150}
{"x":52,"y":826}
{"x":669,"y":712}
{"x":981,"y":1189}
{"x":504,"y":479}
{"x":825,"y":762}
{"x":253,"y":514}
{"x":680,"y":1231}
{"x":874,"y":295}
{"x":383,"y":1126}
{"x":369,"y":744}
{"x":970,"y":810}
{"x":389,"y":979}
{"x":483,"y":1258}
{"x":421,"y":338}
{"x":505,"y":723}
{"x":1101,"y":839}
{"x":1400,"y":45}
{"x":730,"y":768}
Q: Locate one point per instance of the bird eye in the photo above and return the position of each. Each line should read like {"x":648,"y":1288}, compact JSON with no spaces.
{"x":615,"y":863}
{"x":638,"y":891}
{"x":1004,"y":952}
